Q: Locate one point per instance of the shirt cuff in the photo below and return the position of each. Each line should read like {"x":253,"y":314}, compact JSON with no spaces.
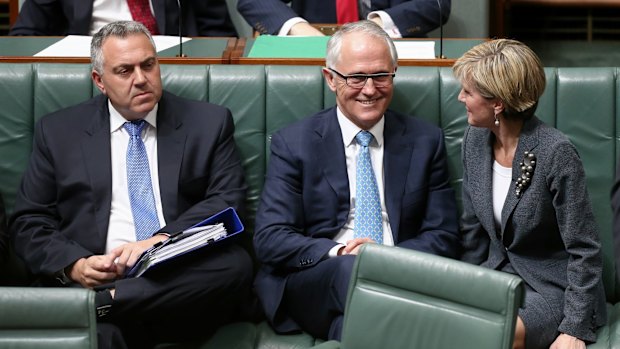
{"x":334,"y":251}
{"x":388,"y":24}
{"x":286,"y":27}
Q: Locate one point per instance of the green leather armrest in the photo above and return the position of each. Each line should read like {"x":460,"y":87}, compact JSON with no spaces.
{"x":400,"y":298}
{"x":47,"y":318}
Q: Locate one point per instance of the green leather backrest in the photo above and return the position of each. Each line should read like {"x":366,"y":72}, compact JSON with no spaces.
{"x":28,"y":321}
{"x":579,"y":101}
{"x":442,"y":303}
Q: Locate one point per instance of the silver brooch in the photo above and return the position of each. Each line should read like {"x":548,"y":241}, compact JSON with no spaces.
{"x":527,"y":165}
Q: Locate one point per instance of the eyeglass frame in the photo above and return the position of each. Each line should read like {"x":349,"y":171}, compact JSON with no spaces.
{"x":365,"y":76}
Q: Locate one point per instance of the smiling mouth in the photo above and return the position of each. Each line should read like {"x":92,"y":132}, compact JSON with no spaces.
{"x":368,"y":102}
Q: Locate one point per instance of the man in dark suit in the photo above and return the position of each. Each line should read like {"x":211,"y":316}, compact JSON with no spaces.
{"x":399,"y":18}
{"x":80,"y":17}
{"x":76,"y":223}
{"x":311,"y":206}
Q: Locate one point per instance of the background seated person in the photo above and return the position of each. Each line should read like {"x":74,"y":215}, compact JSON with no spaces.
{"x":399,"y":18}
{"x":349,"y":175}
{"x":86,"y":17}
{"x":539,"y":226}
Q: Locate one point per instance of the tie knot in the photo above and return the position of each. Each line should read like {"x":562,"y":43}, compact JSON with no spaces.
{"x":134,"y":127}
{"x":364,"y":138}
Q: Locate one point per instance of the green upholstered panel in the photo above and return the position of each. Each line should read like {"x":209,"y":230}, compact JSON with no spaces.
{"x":242,"y":90}
{"x":416,"y":93}
{"x":453,"y":123}
{"x":546,"y":110}
{"x":16,"y":124}
{"x":244,"y":335}
{"x":58,"y":86}
{"x":587,"y":102}
{"x":292,"y":93}
{"x":188,"y":81}
{"x":47,"y":318}
{"x":393,"y":287}
{"x":609,"y":336}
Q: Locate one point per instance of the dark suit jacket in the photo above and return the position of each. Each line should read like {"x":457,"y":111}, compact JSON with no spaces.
{"x":549,"y":234}
{"x":305,"y":201}
{"x":414,"y":18}
{"x":63,"y":205}
{"x":73,"y":17}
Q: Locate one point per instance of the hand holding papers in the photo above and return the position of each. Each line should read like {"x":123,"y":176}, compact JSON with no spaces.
{"x":207,"y":232}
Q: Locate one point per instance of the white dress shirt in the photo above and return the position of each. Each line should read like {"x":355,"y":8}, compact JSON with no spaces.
{"x":349,"y":131}
{"x":121,"y":228}
{"x":108,"y":11}
{"x":502,"y":178}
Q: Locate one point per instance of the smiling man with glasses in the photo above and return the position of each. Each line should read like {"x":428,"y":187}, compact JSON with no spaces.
{"x":352,"y":174}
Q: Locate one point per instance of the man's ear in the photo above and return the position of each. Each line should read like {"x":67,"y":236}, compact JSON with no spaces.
{"x":329,"y":78}
{"x":98,"y":82}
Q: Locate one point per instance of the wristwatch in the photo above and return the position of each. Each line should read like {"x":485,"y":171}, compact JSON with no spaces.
{"x":62,"y":277}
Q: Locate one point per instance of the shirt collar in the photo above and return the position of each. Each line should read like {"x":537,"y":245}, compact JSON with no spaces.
{"x":117,"y":120}
{"x":350,"y":130}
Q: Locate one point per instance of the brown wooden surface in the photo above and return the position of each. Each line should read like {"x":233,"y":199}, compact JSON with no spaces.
{"x":571,"y":3}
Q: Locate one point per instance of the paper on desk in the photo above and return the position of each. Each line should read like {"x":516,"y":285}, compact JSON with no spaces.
{"x":79,"y":46}
{"x":415,"y":49}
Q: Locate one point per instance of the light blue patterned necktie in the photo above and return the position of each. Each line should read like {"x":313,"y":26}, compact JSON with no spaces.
{"x":139,"y":183}
{"x":368,"y":222}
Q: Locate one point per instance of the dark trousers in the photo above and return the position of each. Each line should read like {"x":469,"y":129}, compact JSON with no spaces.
{"x":181,"y":299}
{"x":315,"y":298}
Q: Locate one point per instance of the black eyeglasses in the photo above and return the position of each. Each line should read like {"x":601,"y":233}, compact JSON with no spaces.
{"x":359,"y":80}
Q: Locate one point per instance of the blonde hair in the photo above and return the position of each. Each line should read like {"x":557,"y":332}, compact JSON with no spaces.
{"x":504,"y":69}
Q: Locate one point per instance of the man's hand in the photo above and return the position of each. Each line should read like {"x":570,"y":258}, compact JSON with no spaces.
{"x":353,"y":246}
{"x":304,"y":29}
{"x":565,"y":341}
{"x":126,"y":256}
{"x":93,"y":271}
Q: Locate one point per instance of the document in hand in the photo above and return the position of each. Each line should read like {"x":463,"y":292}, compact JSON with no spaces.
{"x":213,"y":229}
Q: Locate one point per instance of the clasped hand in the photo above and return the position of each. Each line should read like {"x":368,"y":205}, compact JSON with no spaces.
{"x":353,"y":246}
{"x":101,"y":269}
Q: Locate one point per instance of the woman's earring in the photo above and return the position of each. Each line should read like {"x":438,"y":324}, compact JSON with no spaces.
{"x":496,"y":120}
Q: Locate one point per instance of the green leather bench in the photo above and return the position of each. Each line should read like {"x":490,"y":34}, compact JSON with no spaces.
{"x":581,"y":102}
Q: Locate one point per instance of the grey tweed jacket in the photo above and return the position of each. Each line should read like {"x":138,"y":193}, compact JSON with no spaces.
{"x":548,"y":233}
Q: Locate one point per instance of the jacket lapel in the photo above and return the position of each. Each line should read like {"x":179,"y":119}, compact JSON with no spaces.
{"x":331,"y":154}
{"x":97,"y":158}
{"x":481,"y":191}
{"x":159,"y":10}
{"x":397,"y":157}
{"x":170,"y":143}
{"x":528,"y":140}
{"x":82,"y":16}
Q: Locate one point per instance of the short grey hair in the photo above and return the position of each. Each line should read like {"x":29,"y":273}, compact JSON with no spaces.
{"x":334,"y":45}
{"x":120,"y":29}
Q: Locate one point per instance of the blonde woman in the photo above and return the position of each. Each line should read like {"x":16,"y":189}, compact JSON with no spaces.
{"x":526,"y":209}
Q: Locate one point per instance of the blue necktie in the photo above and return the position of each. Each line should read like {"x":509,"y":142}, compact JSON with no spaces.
{"x":368,"y":221}
{"x":139,"y":183}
